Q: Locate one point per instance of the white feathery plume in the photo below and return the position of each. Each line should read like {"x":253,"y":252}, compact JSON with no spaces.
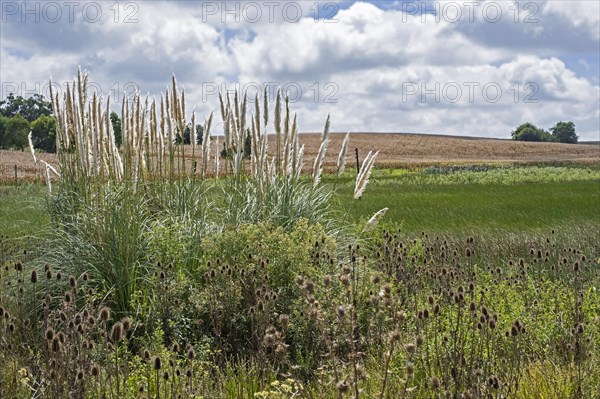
{"x":31,"y":147}
{"x":363,"y":175}
{"x":299,"y":162}
{"x":375,"y":219}
{"x":318,"y":165}
{"x":341,"y":163}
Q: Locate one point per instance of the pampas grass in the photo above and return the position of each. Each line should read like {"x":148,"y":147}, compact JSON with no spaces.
{"x":363,"y":175}
{"x":318,"y":164}
{"x":341,"y":163}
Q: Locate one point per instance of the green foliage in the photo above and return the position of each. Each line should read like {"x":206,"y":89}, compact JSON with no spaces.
{"x":530,"y":132}
{"x":31,"y":108}
{"x":116,"y":125}
{"x":564,"y":132}
{"x":43,"y":132}
{"x":15,"y":130}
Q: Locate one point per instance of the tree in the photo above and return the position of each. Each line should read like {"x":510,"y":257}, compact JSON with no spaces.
{"x":15,"y":133}
{"x":43,"y":132}
{"x":3,"y":120}
{"x":199,"y":134}
{"x":116,"y":125}
{"x":529,"y":132}
{"x":248,"y":145}
{"x":564,"y":132}
{"x":30,"y":108}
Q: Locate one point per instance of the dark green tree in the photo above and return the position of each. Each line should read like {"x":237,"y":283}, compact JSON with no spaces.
{"x":43,"y":132}
{"x":248,"y":145}
{"x":30,"y":108}
{"x":529,"y":132}
{"x":115,"y":121}
{"x":3,"y":120}
{"x":564,"y":132}
{"x":15,"y":133}
{"x":199,"y":134}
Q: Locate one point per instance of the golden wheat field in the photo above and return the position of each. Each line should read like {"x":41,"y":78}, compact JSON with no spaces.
{"x":396,"y":150}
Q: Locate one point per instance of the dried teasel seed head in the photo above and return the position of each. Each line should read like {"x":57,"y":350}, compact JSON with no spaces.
{"x":49,"y":334}
{"x":126,"y":321}
{"x":410,"y":368}
{"x":435,"y":382}
{"x":55,"y":344}
{"x":105,"y":313}
{"x":166,"y":375}
{"x":340,"y":311}
{"x":95,"y":370}
{"x":80,"y":375}
{"x":19,"y":267}
{"x":157,"y":363}
{"x":68,"y":297}
{"x":191,"y":354}
{"x":146,"y":354}
{"x":410,"y":348}
{"x":342,"y":387}
{"x":175,"y":347}
{"x":116,"y":333}
{"x":34,"y":276}
{"x":73,"y":282}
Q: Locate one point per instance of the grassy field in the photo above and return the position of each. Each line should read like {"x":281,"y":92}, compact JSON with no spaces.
{"x":474,"y":208}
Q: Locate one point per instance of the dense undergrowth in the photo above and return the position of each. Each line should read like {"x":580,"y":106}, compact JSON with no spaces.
{"x":267,"y":312}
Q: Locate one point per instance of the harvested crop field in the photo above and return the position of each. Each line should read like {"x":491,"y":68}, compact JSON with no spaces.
{"x":396,"y":150}
{"x":410,"y":150}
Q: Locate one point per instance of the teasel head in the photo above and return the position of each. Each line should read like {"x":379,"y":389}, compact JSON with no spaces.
{"x":116,"y":333}
{"x":95,"y":370}
{"x":126,"y":321}
{"x":146,"y":355}
{"x":80,"y":375}
{"x":34,"y":276}
{"x":342,"y":387}
{"x":105,"y":313}
{"x":284,"y":321}
{"x":73,"y":282}
{"x":410,"y":368}
{"x":191,"y":354}
{"x":340,"y":311}
{"x":48,"y":274}
{"x":85,"y":276}
{"x":68,"y":297}
{"x":55,"y":344}
{"x":157,"y":363}
{"x":435,"y":382}
{"x":49,"y":334}
{"x":166,"y":375}
{"x":345,"y":280}
{"x":175,"y":347}
{"x":19,"y":267}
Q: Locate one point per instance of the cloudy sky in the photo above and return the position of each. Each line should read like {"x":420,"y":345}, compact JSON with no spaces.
{"x":476,"y":68}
